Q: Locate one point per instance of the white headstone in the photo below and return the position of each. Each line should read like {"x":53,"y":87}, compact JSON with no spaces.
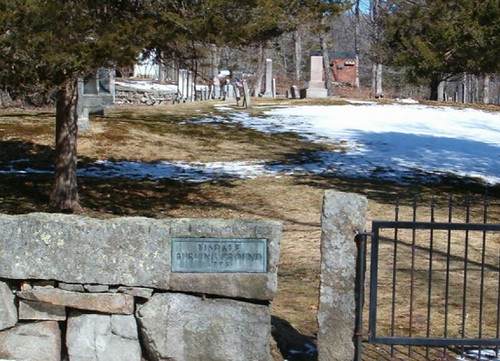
{"x":269,"y":79}
{"x":316,"y":85}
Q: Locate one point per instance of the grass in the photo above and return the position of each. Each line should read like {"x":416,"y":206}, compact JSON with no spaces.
{"x":175,"y":133}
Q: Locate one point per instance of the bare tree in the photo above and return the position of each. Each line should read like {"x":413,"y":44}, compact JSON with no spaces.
{"x":326,"y":63}
{"x":486,"y":88}
{"x":375,"y":11}
{"x":297,"y":37}
{"x":356,"y":38}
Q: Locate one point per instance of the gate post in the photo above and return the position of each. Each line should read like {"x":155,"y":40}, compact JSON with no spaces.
{"x":343,"y":216}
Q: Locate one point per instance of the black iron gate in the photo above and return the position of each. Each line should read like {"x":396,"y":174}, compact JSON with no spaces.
{"x":432,"y":284}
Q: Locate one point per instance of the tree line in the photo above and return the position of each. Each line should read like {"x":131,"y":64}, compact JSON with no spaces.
{"x":45,"y":46}
{"x":417,"y":43}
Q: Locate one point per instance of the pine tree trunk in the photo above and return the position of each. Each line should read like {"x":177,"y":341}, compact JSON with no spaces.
{"x":214,"y":60}
{"x":380,"y":90}
{"x":64,"y":197}
{"x":434,"y":85}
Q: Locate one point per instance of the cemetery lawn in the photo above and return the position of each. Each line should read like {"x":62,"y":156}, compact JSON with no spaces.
{"x":151,"y":134}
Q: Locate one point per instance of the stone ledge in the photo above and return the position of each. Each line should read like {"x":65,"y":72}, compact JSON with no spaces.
{"x":117,"y":303}
{"x":35,"y":310}
{"x":133,"y":252}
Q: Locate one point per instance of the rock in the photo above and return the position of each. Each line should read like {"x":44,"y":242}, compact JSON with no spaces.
{"x":33,"y":310}
{"x":26,"y":285}
{"x":181,"y":327}
{"x":97,"y":337}
{"x":140,"y":292}
{"x":256,"y":286}
{"x":82,"y":250}
{"x":8,"y":310}
{"x":32,"y":342}
{"x":74,"y":287}
{"x":96,"y":288}
{"x":100,"y":302}
{"x":124,"y":326}
{"x":343,"y":216}
{"x":44,"y":284}
{"x":133,"y":252}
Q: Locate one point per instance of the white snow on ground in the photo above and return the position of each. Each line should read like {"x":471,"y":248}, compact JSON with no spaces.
{"x":189,"y":172}
{"x":399,"y":141}
{"x":480,"y":355}
{"x":147,"y":85}
{"x":151,"y":85}
{"x":404,"y":143}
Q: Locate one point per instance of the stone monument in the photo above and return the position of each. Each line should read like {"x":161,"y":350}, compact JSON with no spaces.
{"x":269,"y":93}
{"x":96,"y":93}
{"x":185,"y":86}
{"x":315,"y":87}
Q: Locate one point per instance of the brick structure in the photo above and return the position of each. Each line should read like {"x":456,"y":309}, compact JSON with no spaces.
{"x":343,"y":66}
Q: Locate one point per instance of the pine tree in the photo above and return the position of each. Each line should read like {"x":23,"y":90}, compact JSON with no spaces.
{"x":47,"y":45}
{"x":438,"y":39}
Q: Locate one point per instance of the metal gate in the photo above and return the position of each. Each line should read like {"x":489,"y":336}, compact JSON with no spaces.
{"x":433,"y":284}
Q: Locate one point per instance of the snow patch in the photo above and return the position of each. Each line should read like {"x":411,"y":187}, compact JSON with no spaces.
{"x":400,"y":143}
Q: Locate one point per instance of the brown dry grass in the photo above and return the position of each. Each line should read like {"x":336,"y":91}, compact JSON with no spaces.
{"x":161,"y":133}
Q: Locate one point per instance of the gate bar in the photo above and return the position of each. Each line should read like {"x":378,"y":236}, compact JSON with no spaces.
{"x":423,"y":341}
{"x":359,"y":292}
{"x":437,"y":225}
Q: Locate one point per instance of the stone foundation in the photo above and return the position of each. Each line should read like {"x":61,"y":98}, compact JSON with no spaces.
{"x":76,"y":288}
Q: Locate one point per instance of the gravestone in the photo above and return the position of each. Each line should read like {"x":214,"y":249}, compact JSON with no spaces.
{"x":216,"y":87}
{"x":82,"y":112}
{"x":96,"y":93}
{"x":185,"y":86}
{"x":269,"y":93}
{"x":247,"y":101}
{"x":315,"y":87}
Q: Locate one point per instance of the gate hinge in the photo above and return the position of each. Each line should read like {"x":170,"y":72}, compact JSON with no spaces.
{"x":368,"y":234}
{"x":362,"y":334}
{"x":361,"y":236}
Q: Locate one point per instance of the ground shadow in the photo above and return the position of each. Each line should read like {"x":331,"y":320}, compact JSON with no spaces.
{"x":293,"y":345}
{"x":125,"y":197}
{"x":26,"y":181}
{"x":39,"y":156}
{"x":387,"y":192}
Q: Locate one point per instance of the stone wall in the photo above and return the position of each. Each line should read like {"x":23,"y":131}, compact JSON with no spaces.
{"x":129,"y":96}
{"x":77,"y":288}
